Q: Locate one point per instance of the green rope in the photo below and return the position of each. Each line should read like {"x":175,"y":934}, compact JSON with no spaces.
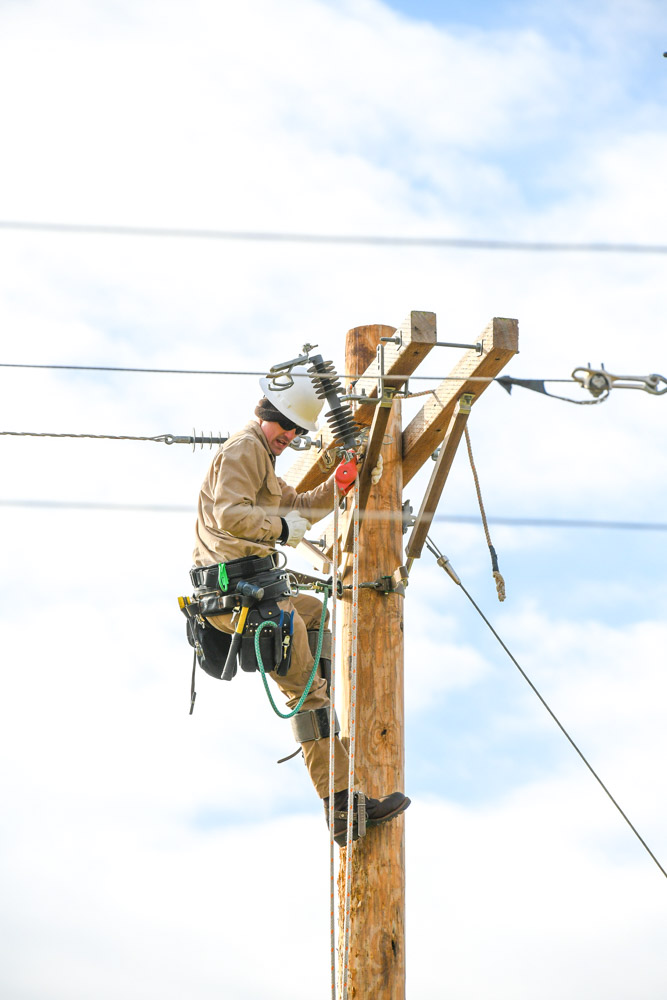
{"x":316,"y":664}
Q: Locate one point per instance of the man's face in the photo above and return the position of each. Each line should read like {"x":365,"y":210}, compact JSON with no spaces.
{"x":276,"y":438}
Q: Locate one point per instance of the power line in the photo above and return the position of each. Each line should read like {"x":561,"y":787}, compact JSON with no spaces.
{"x":255,"y":374}
{"x":148,"y":508}
{"x":546,"y":522}
{"x":522,"y":522}
{"x":444,"y":242}
{"x":193,"y":439}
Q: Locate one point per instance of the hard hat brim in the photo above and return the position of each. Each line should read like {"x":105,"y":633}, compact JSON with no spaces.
{"x":274,"y":397}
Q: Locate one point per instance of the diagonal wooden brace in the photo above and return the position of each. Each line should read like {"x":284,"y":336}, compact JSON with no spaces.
{"x":438,"y":479}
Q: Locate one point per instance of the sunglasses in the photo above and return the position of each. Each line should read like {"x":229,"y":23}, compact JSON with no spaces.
{"x":289,"y":425}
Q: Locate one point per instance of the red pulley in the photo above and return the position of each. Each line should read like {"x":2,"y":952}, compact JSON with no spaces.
{"x":345,"y":474}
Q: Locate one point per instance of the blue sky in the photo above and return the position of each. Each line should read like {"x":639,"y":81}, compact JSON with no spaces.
{"x":128,"y":821}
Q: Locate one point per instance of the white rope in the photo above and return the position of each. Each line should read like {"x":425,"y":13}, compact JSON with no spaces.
{"x":352,"y":747}
{"x":332,"y":743}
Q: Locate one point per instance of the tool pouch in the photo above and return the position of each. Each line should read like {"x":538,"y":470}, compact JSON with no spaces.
{"x":275,"y":642}
{"x":210,"y":644}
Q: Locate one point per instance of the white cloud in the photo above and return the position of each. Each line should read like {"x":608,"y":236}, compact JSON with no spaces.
{"x":133,"y":831}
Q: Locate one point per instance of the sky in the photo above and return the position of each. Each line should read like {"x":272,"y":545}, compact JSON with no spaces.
{"x":142,"y":850}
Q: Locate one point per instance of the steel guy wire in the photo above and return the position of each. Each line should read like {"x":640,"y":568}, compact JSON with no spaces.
{"x":337,"y":239}
{"x":445,"y":564}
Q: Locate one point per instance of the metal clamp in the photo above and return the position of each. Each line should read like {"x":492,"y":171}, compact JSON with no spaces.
{"x":304,"y":443}
{"x":599,"y":381}
{"x":394,"y":584}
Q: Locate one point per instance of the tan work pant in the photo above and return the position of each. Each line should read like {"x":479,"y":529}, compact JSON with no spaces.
{"x":308,"y":614}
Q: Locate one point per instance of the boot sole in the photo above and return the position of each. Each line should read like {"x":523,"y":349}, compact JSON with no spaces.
{"x":341,"y":838}
{"x":397,"y":812}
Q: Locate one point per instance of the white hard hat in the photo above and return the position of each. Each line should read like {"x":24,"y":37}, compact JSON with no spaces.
{"x":298,"y":402}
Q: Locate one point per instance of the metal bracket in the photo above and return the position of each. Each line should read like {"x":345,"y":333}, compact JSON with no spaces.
{"x":388,"y":395}
{"x":408,"y":516}
{"x":394,"y":584}
{"x":362,"y":397}
{"x":286,"y":366}
{"x":380,"y":357}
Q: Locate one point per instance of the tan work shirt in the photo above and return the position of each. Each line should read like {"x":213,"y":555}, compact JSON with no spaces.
{"x":242,"y":500}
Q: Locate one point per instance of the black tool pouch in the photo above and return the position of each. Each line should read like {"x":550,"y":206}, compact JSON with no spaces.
{"x":210,"y":644}
{"x":275,"y":641}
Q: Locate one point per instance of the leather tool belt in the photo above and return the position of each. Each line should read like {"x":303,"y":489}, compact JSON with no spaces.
{"x":261,"y":571}
{"x":210,"y":599}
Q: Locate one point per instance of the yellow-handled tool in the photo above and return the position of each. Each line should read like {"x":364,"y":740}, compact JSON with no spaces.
{"x":249,"y":596}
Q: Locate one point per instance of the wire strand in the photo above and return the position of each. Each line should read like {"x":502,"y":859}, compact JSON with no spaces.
{"x":518,"y":522}
{"x":336,"y":239}
{"x":564,"y":731}
{"x":257,"y":374}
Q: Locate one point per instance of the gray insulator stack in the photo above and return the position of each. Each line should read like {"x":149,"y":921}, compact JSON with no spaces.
{"x":327,"y":386}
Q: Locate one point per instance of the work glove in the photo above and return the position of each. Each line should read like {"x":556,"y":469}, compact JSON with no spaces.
{"x":376,"y":472}
{"x":297,"y":527}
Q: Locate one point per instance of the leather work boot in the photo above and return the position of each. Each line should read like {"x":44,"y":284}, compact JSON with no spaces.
{"x":376,"y":811}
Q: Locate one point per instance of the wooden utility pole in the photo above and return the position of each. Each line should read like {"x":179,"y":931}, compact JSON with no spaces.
{"x":377,"y":912}
{"x":377,"y":903}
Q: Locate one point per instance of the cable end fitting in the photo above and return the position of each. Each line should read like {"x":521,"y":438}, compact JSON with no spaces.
{"x":444,"y":562}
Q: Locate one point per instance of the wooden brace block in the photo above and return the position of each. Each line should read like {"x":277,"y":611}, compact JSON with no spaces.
{"x":427,"y":429}
{"x":314,"y":555}
{"x":418,"y":336}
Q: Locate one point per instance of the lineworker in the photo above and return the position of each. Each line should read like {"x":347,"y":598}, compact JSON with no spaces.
{"x":244,"y":511}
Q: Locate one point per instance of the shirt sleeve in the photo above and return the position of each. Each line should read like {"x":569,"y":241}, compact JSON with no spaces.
{"x":313,"y":505}
{"x":240,"y":475}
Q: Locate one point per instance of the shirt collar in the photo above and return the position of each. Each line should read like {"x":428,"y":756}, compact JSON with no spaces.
{"x":256,"y":430}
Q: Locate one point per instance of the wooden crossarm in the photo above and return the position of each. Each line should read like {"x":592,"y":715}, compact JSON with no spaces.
{"x":418,"y":336}
{"x":426,"y":431}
